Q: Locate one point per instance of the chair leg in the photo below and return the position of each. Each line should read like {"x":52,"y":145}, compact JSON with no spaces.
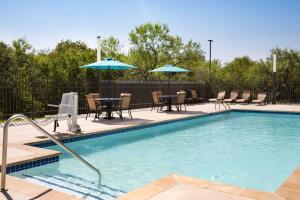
{"x":129,"y":112}
{"x":55,"y":125}
{"x":121,"y":116}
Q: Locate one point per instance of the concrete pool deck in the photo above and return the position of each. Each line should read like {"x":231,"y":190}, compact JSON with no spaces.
{"x":22,"y":135}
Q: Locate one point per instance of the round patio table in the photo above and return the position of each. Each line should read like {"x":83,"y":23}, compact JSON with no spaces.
{"x":169,"y":99}
{"x":109,"y":102}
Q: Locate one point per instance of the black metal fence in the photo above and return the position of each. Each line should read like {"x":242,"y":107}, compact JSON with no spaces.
{"x":31,"y":97}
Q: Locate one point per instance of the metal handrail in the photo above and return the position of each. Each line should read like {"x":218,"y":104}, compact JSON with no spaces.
{"x":223,"y":103}
{"x":34,"y":124}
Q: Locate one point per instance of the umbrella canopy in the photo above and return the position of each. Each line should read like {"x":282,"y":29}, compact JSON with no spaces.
{"x":170,"y":69}
{"x":108,"y":64}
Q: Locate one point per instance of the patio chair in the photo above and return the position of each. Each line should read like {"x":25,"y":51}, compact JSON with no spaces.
{"x":261,"y":98}
{"x":65,"y":109}
{"x":98,"y":103}
{"x":232,"y":98}
{"x":156,"y":101}
{"x":124,"y":105}
{"x":220,"y":97}
{"x":180,"y":100}
{"x":194,"y":97}
{"x":245,"y":97}
{"x":92,"y":107}
{"x":95,"y":95}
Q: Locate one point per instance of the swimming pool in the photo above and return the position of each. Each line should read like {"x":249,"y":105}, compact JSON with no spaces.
{"x":248,"y":149}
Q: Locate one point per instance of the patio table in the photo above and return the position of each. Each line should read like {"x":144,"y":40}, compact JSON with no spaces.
{"x":169,"y":99}
{"x":108,"y":102}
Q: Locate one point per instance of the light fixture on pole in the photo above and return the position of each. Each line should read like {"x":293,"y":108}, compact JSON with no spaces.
{"x":274,"y":79}
{"x":210,"y":41}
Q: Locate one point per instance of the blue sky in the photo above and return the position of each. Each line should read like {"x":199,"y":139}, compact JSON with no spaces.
{"x":238,"y":27}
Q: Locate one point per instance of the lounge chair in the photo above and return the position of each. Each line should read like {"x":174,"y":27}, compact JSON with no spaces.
{"x":232,"y":98}
{"x":65,"y":110}
{"x":124,"y":105}
{"x":261,"y":98}
{"x":245,"y":97}
{"x":92,"y":107}
{"x":180,"y":100}
{"x":220,"y":97}
{"x":156,"y":101}
{"x":194,"y":97}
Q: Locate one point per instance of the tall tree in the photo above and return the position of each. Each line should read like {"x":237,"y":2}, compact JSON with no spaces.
{"x":153,"y":46}
{"x":66,"y":58}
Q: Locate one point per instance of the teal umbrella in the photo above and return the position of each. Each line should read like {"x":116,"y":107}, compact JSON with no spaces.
{"x":169,"y":69}
{"x":109,"y":64}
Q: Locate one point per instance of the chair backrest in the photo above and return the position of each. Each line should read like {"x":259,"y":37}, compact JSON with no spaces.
{"x":261,"y":95}
{"x":194,"y":94}
{"x":180,"y":97}
{"x":155,"y":97}
{"x":125,"y":102}
{"x":234,"y":95}
{"x":246,"y":95}
{"x":159,"y":93}
{"x":221,"y":95}
{"x":95,"y":95}
{"x":67,"y":103}
{"x":91,"y":102}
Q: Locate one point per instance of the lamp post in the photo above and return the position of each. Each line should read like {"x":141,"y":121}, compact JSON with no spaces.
{"x":274,"y":79}
{"x":98,"y":59}
{"x":210,"y":41}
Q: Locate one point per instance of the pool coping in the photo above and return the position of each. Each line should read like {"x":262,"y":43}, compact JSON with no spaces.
{"x":289,"y":190}
{"x":150,"y":190}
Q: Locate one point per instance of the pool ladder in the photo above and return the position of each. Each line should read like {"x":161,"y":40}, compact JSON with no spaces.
{"x":52,"y":138}
{"x":221,"y":102}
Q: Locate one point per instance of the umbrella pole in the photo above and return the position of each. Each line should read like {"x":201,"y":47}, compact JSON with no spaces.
{"x":108,"y":87}
{"x":169,"y":84}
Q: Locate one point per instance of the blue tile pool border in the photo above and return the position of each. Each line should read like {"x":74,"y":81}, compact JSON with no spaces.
{"x":31,"y":164}
{"x":266,"y":111}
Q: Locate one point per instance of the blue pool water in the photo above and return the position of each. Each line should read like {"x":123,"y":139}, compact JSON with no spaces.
{"x":253,"y":150}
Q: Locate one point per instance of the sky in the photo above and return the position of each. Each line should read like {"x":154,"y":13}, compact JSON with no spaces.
{"x":237,"y":27}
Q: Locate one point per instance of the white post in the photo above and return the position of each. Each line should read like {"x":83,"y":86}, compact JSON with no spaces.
{"x":274,"y":62}
{"x":75,"y":128}
{"x":274,"y":80}
{"x":98,"y":48}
